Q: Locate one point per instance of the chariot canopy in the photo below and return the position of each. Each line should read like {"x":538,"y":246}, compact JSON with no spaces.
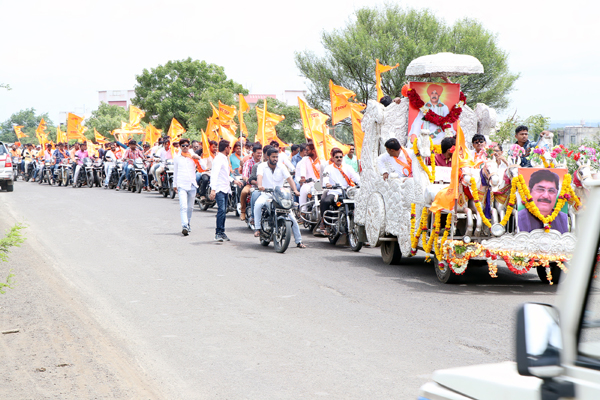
{"x":444,"y":65}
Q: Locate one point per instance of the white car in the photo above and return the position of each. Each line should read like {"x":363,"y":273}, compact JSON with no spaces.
{"x":557,"y":347}
{"x":6,"y":169}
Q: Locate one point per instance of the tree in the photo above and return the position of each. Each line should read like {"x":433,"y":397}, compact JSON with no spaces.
{"x":174,"y":90}
{"x":203,"y":110}
{"x":105,"y":119}
{"x":30,"y":121}
{"x":13,"y":238}
{"x":394,"y":35}
{"x":506,"y":129}
{"x":5,"y":86}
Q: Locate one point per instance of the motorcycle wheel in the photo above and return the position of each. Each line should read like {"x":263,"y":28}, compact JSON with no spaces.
{"x":90,"y":180}
{"x":333,"y":238}
{"x":65,"y":179}
{"x":264,"y":242}
{"x":283,"y":234}
{"x":42,"y":175}
{"x":139,"y":184}
{"x":355,"y":245}
{"x":171,"y":191}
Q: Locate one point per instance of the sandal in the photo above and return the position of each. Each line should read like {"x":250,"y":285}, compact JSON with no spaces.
{"x":301,"y":245}
{"x":256,"y":233}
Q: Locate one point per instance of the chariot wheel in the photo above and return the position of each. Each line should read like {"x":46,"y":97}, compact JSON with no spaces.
{"x":390,"y":253}
{"x":444,"y":275}
{"x":554,"y":270}
{"x":375,"y":225}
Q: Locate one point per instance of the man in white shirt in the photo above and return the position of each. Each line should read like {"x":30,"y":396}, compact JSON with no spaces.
{"x":155,"y":152}
{"x":283,"y":157}
{"x":184,"y":183}
{"x":110,"y":160}
{"x":220,"y":186}
{"x":395,"y":160}
{"x":336,"y":174}
{"x":206,"y":165}
{"x":270,"y":175}
{"x":309,"y":168}
{"x":164,"y":154}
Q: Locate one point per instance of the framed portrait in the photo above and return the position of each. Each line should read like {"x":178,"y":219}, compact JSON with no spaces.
{"x":440,"y":98}
{"x":544,"y":185}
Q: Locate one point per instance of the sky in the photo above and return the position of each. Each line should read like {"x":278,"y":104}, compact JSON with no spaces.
{"x":56,"y":55}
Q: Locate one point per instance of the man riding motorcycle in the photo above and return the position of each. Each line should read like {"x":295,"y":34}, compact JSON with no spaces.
{"x":308,"y":168}
{"x":270,"y":175}
{"x":110,"y":161}
{"x":247,"y":169}
{"x":336,"y":174}
{"x":79,"y":156}
{"x":59,"y":154}
{"x":164,"y":154}
{"x":131,"y":154}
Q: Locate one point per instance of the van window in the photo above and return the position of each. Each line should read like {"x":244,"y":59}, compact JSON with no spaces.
{"x":3,"y":150}
{"x":589,"y":339}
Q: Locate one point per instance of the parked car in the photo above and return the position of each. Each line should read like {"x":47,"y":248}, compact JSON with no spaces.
{"x":557,"y":347}
{"x":7,"y":177}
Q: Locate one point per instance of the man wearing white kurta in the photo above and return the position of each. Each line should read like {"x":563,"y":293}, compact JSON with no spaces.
{"x":396,"y":159}
{"x":336,"y":174}
{"x":221,"y":187}
{"x":184,"y":183}
{"x":270,"y":175}
{"x":434,"y":104}
{"x":308,"y":168}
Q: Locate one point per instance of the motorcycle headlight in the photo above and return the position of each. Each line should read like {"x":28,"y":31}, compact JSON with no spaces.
{"x":350,"y":193}
{"x":286,"y":203}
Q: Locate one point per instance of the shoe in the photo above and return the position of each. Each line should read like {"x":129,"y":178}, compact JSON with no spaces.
{"x":189,"y":228}
{"x":243,"y":216}
{"x":225,"y":238}
{"x":118,"y":189}
{"x":185,"y":231}
{"x":105,"y":186}
{"x":218,"y":238}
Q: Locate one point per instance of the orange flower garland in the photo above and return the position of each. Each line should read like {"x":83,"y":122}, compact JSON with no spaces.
{"x":430,"y":175}
{"x":438,"y":246}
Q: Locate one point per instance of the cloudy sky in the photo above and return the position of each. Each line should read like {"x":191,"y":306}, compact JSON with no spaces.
{"x":57,"y":54}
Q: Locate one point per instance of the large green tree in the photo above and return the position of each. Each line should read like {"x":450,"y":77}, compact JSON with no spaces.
{"x":30,"y":121}
{"x":174,"y":90}
{"x":105,"y":119}
{"x":396,"y":35}
{"x":506,"y":129}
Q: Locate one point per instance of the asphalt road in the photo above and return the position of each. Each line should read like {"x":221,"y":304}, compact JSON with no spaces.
{"x":236,"y":320}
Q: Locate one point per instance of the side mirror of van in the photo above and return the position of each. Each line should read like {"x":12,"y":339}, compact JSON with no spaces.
{"x":539,"y":341}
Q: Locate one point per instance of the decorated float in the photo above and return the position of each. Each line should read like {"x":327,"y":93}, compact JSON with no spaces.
{"x":482,"y":209}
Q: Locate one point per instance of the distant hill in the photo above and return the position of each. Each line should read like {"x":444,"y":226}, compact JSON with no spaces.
{"x":562,"y":124}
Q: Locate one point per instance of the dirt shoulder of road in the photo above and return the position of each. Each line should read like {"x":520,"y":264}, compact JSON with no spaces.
{"x":59,"y":351}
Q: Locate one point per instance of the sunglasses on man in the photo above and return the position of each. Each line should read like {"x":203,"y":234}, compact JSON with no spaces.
{"x":185,"y":145}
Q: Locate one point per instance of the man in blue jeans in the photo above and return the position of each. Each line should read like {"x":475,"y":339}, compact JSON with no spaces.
{"x":221,"y":188}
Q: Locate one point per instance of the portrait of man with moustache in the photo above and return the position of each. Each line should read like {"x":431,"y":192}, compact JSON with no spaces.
{"x":544,"y":186}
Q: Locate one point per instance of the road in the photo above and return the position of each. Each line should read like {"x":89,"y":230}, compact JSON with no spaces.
{"x":233,"y":320}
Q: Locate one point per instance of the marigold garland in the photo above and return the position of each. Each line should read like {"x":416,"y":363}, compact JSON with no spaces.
{"x":475,"y":194}
{"x":430,"y":175}
{"x":438,"y":246}
{"x":512,"y":201}
{"x":414,"y":239}
{"x":437,"y":148}
{"x":431,"y":116}
{"x":433,"y":237}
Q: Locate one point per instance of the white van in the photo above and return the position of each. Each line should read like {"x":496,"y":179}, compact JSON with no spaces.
{"x":557,"y":347}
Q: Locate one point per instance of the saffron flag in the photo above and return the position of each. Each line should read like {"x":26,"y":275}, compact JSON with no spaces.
{"x":244,"y":107}
{"x":99,"y":138}
{"x":19,"y":132}
{"x":226,"y":113}
{"x":61,"y":137}
{"x":41,"y":129}
{"x":135,"y":117}
{"x":359,"y":134}
{"x":315,"y":128}
{"x":176,"y":129}
{"x":74,"y":128}
{"x":151,"y":135}
{"x":205,"y":146}
{"x":379,"y":69}
{"x":340,"y":106}
{"x":461,"y":158}
{"x":212,"y":129}
{"x":92,"y":149}
{"x":266,"y":126}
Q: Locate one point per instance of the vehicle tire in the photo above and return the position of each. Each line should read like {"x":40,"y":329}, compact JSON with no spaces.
{"x":333,"y":238}
{"x":283,"y":234}
{"x":204,"y":206}
{"x":65,"y":179}
{"x":390,"y":252}
{"x":444,"y":275}
{"x":554,"y":270}
{"x":139,"y":184}
{"x":42,"y":177}
{"x":172,"y":193}
{"x":10,"y":188}
{"x":355,"y":244}
{"x":264,"y":242}
{"x":90,"y":180}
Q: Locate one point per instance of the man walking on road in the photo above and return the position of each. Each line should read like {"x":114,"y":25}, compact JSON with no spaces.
{"x":221,"y":189}
{"x":184,"y":183}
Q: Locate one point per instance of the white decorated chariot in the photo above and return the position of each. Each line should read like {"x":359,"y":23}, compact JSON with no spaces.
{"x":481,"y":226}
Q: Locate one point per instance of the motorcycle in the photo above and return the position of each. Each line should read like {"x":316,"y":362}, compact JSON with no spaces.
{"x":86,"y":174}
{"x":98,"y":175}
{"x":30,"y":167}
{"x":64,"y":172}
{"x":249,"y":208}
{"x":233,"y":204}
{"x":137,"y":184}
{"x":16,"y":163}
{"x":309,"y":212}
{"x":166,"y":180}
{"x":205,"y":202}
{"x":115,"y":174}
{"x":46,"y":173}
{"x":275,"y":225}
{"x":340,"y":220}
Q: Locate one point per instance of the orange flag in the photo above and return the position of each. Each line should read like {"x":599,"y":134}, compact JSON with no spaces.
{"x":266,"y":126}
{"x":41,"y":129}
{"x":461,"y":158}
{"x":99,"y":138}
{"x":61,"y":137}
{"x":226,"y":113}
{"x":212,"y":129}
{"x":74,"y":128}
{"x":135,"y":117}
{"x":176,"y":129}
{"x":340,"y":106}
{"x":92,"y":149}
{"x":151,"y":135}
{"x":359,"y":135}
{"x":19,"y":132}
{"x":205,"y":146}
{"x":244,"y":107}
{"x":315,"y":128}
{"x":379,"y":68}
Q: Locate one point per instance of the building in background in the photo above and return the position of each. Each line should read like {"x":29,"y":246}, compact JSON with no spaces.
{"x":253,"y":98}
{"x":577,"y":134}
{"x":121,"y":98}
{"x":290,"y":97}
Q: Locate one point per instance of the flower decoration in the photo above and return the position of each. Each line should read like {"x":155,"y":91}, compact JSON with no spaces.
{"x":430,"y":175}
